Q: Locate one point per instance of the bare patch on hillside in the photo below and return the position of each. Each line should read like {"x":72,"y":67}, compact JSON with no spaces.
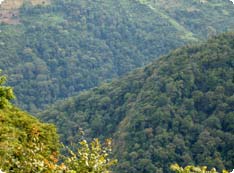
{"x":9,"y":9}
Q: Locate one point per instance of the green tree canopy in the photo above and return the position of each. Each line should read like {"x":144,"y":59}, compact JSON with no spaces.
{"x":193,"y":169}
{"x":177,"y":109}
{"x":6,"y":93}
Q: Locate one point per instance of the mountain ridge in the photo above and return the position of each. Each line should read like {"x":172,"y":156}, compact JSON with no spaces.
{"x":178,"y":109}
{"x":56,"y":51}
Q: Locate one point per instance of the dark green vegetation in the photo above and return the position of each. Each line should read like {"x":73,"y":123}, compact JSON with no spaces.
{"x":178,"y":109}
{"x":72,"y":45}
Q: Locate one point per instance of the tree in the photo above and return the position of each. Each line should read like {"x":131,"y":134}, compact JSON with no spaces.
{"x":29,"y":146}
{"x":193,"y":169}
{"x":6,"y":93}
{"x":90,"y":158}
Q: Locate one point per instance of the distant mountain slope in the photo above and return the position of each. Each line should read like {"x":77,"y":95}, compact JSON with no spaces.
{"x":187,"y":15}
{"x":58,"y":50}
{"x":16,"y":4}
{"x":178,"y":109}
{"x":9,"y":9}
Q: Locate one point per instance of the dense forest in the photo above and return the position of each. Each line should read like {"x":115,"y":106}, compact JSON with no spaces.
{"x":178,"y":109}
{"x":104,"y":73}
{"x":61,"y":48}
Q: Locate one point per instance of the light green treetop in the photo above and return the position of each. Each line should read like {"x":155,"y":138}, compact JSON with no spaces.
{"x":6,"y":93}
{"x":193,"y":169}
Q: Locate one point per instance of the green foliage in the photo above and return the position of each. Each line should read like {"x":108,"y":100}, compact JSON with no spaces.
{"x":6,"y":93}
{"x":69,"y":46}
{"x":178,"y":109}
{"x":28,"y":146}
{"x":25,"y":143}
{"x":193,"y":169}
{"x":90,"y":158}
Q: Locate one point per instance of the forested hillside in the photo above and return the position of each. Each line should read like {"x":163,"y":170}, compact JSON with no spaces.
{"x":58,"y":49}
{"x":178,"y":109}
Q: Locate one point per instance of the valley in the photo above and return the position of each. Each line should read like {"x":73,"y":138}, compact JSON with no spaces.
{"x":147,"y":82}
{"x":98,"y":41}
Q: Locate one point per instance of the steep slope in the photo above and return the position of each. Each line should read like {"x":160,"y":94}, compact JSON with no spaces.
{"x":178,"y":109}
{"x":58,"y":50}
